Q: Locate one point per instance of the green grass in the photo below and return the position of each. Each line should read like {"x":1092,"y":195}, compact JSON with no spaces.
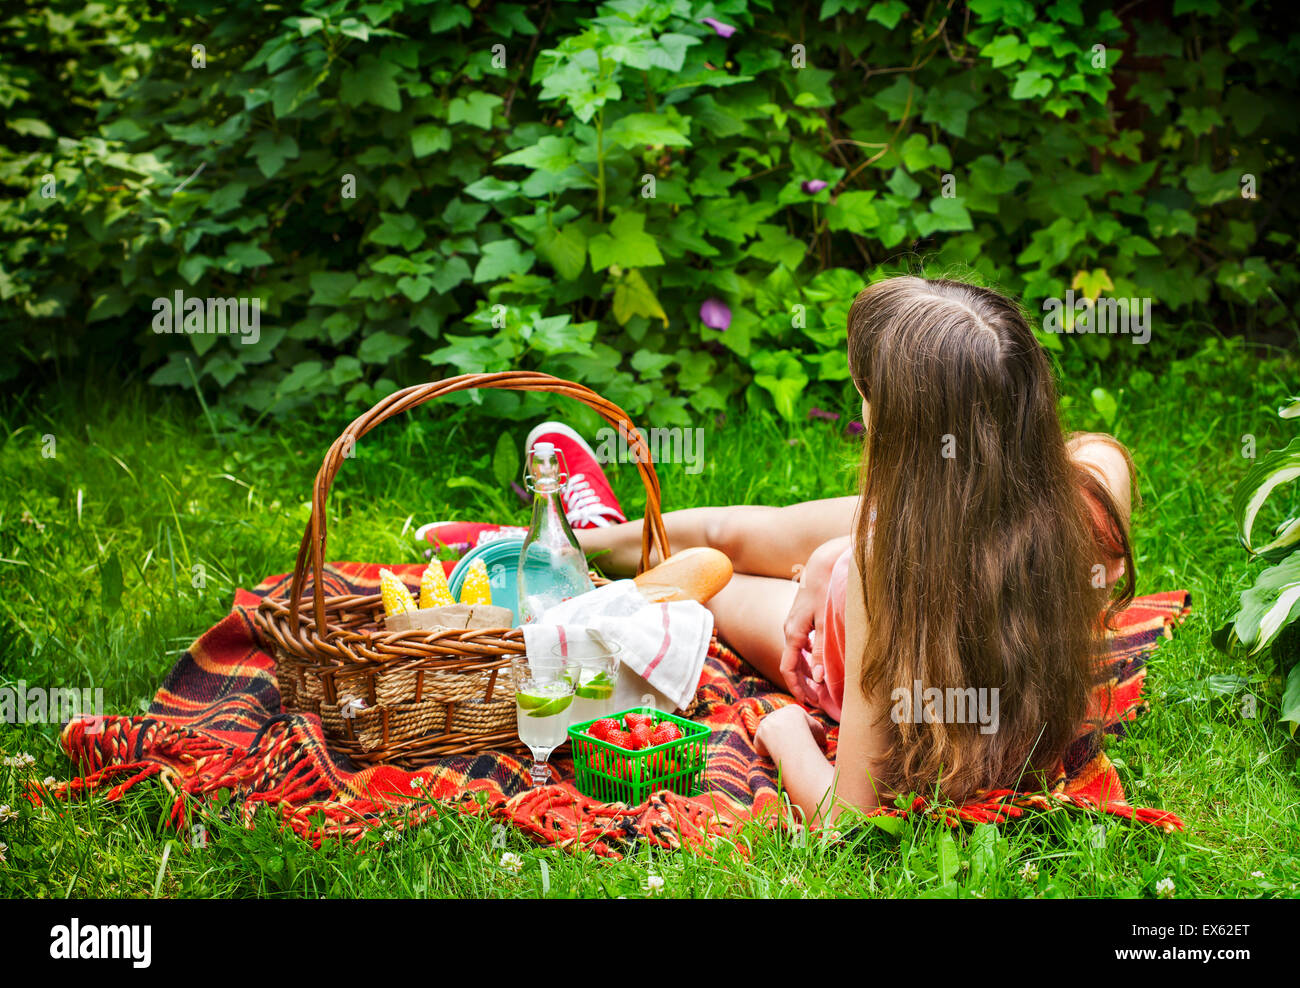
{"x":149,"y":486}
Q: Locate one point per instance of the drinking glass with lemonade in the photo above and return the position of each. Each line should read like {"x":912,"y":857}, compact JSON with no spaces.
{"x":544,"y":692}
{"x":572,"y":685}
{"x":594,"y":668}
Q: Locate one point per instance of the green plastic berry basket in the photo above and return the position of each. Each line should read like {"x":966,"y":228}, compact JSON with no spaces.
{"x":615,"y":775}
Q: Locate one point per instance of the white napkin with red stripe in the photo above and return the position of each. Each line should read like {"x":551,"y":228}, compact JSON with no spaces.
{"x":662,"y":644}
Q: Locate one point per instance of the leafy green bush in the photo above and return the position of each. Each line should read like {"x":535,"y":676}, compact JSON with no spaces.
{"x":417,"y":189}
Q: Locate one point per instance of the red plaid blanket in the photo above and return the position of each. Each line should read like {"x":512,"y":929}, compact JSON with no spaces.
{"x":216,"y":724}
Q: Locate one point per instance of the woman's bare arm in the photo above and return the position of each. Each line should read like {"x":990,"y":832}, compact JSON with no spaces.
{"x":822,"y":790}
{"x":862,"y":738}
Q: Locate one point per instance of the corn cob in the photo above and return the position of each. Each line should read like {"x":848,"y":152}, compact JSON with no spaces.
{"x":397,"y":599}
{"x":434,"y":591}
{"x":476,"y":589}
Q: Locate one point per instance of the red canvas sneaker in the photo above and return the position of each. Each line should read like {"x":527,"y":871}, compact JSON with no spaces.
{"x":589,"y":501}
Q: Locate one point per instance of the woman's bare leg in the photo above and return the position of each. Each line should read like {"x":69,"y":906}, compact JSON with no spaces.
{"x":759,"y":540}
{"x":749,"y":614}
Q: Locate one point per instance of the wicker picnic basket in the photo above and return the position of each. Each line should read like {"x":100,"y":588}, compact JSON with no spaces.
{"x":408,"y":697}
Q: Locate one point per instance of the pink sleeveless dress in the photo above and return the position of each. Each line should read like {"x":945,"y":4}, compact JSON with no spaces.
{"x":828,"y":643}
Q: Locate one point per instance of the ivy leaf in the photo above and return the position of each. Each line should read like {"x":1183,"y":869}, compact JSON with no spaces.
{"x":634,"y":297}
{"x":372,"y":81}
{"x":565,"y":249}
{"x":627,"y":244}
{"x":1006,"y":50}
{"x":246,"y":255}
{"x":462,"y":217}
{"x":474,"y":108}
{"x":447,"y":16}
{"x":551,"y":153}
{"x":193,"y":266}
{"x":271,"y":151}
{"x":429,"y":138}
{"x":381,"y":347}
{"x":1092,"y":283}
{"x":1031,"y":84}
{"x":650,"y":363}
{"x":895,"y":98}
{"x":946,"y":215}
{"x":949,"y":108}
{"x":853,"y":211}
{"x":331,"y":287}
{"x":302,"y":377}
{"x":502,"y":258}
{"x":450,"y":274}
{"x":638,"y":129}
{"x":782,"y":375}
{"x":777,"y":246}
{"x":492,"y":189}
{"x":888,"y":13}
{"x":398,"y":230}
{"x":414,"y":287}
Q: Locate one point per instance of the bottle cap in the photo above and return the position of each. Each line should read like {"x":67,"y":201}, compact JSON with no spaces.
{"x":546,"y":470}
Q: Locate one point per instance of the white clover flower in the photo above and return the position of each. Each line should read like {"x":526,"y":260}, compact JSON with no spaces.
{"x":1165,"y":888}
{"x":1029,"y":872}
{"x":49,"y":782}
{"x":654,"y":884}
{"x":512,"y":862}
{"x":415,"y":785}
{"x":7,"y":813}
{"x":3,"y":848}
{"x":21,"y":760}
{"x":1253,"y":874}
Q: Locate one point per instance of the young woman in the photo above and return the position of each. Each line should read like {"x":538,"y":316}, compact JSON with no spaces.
{"x":979,"y":553}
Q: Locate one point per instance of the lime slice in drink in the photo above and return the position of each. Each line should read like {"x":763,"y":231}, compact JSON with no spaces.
{"x":553,"y":706}
{"x":530,"y":702}
{"x":598,"y":687}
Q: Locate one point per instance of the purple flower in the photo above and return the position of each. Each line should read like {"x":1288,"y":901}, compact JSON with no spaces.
{"x":715,"y":314}
{"x":856,"y":429}
{"x":821,"y":413}
{"x":722,"y":30}
{"x":812,"y":186}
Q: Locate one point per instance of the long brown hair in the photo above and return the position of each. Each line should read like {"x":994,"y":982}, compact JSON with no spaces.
{"x":977,"y":565}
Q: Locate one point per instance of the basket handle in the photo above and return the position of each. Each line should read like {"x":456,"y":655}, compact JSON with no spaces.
{"x":653,"y":531}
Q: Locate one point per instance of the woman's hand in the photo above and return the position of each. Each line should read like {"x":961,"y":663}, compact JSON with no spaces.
{"x":783,"y":723}
{"x":803,"y":679}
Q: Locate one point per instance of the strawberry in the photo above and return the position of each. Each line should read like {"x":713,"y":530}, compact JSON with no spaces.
{"x":641,"y":736}
{"x":620,"y":739}
{"x":665,"y":732}
{"x":638,"y":720}
{"x":602,"y":728}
